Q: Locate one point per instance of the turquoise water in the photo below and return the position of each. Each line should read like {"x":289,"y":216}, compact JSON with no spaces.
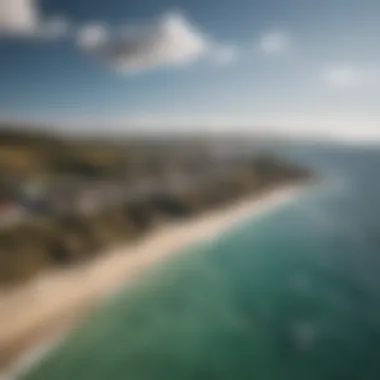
{"x":292,"y":295}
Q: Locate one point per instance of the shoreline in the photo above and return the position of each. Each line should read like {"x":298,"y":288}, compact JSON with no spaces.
{"x":53,"y":304}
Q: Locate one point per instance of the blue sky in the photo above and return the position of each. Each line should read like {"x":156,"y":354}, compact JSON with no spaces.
{"x":292,"y":66}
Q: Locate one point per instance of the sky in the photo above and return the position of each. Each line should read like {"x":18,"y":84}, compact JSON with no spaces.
{"x":295,"y":67}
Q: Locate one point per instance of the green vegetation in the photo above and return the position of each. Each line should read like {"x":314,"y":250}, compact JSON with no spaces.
{"x":57,"y":239}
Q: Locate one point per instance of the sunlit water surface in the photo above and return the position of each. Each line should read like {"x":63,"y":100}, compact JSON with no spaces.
{"x":292,"y":295}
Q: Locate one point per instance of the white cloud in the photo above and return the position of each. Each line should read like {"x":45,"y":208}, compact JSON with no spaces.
{"x":18,"y":16}
{"x":342,"y":76}
{"x":346,"y":75}
{"x":169,"y":40}
{"x":22,"y":18}
{"x":91,"y":37}
{"x":275,"y":43}
{"x":224,"y":55}
{"x":172,"y":40}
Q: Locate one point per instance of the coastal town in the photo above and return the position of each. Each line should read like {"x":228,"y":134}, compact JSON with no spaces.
{"x":64,"y":201}
{"x":84,"y":189}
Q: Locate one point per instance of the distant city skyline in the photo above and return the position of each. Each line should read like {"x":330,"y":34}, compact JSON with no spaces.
{"x":299,"y":68}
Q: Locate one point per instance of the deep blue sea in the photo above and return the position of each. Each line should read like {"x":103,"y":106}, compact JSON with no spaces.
{"x":292,"y":295}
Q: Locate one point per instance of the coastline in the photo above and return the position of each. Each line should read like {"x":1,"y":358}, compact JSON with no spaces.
{"x":52,"y":304}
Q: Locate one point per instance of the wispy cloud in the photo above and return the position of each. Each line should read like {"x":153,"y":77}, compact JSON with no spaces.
{"x":275,"y":42}
{"x":92,"y":36}
{"x":225,"y":55}
{"x":349,"y":75}
{"x":167,"y":41}
{"x":170,"y":40}
{"x":22,"y":18}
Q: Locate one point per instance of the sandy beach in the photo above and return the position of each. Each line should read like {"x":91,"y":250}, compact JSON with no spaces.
{"x":54,"y":303}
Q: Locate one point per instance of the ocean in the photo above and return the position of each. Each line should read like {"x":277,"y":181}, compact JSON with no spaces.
{"x":294,"y":294}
